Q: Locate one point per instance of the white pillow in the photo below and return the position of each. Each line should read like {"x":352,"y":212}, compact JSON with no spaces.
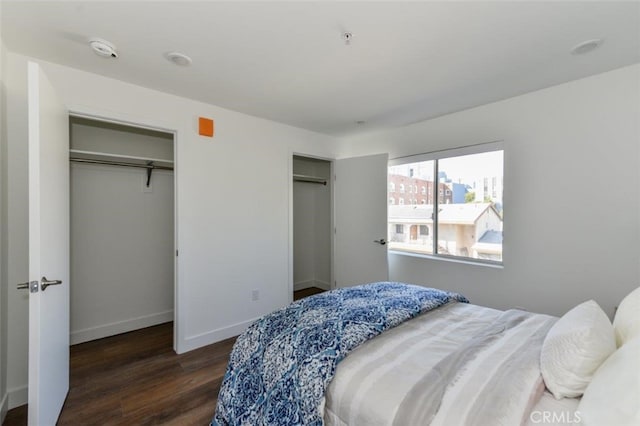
{"x":613,"y":397}
{"x":574,"y":348}
{"x":627,"y":320}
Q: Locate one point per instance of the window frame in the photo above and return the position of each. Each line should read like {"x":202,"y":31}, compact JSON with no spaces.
{"x":440,"y":155}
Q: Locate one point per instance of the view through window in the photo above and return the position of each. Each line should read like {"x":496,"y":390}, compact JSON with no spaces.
{"x":448,"y":205}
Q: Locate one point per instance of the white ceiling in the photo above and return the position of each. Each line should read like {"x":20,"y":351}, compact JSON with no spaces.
{"x":286,"y":61}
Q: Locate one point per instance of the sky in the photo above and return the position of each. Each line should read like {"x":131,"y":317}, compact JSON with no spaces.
{"x":463,"y":169}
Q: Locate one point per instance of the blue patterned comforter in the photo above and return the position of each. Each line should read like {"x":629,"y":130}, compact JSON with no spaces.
{"x":281,"y":365}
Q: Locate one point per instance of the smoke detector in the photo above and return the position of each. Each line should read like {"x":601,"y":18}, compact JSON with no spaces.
{"x":103,"y":48}
{"x":347,"y":37}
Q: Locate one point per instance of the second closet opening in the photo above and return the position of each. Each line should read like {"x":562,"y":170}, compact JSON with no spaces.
{"x":312,"y":266}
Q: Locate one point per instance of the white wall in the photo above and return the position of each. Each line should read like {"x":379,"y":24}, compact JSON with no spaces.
{"x":122,"y":248}
{"x":571,"y":227}
{"x":312,"y":226}
{"x":229,"y":243}
{"x":4,"y":401}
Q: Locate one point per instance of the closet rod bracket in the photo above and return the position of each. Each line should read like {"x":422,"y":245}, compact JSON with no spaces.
{"x":149,"y":171}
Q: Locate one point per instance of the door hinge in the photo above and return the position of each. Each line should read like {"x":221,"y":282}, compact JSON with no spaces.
{"x":176,"y":253}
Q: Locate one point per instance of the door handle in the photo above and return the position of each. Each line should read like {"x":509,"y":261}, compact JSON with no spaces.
{"x":46,"y":283}
{"x":381,"y":241}
{"x":32,"y":286}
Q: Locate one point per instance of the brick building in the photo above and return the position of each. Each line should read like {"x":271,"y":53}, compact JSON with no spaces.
{"x":404,"y":190}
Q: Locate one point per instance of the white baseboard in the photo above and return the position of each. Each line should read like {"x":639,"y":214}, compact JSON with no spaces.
{"x":112,"y":329}
{"x":4,"y":407}
{"x":204,"y":339}
{"x":17,"y":397}
{"x":311,"y":283}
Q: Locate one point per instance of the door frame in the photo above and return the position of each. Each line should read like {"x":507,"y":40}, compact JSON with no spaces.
{"x":332,"y":219}
{"x":123,"y":119}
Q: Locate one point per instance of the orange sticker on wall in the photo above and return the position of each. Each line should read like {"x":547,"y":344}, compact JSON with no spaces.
{"x":205,"y":127}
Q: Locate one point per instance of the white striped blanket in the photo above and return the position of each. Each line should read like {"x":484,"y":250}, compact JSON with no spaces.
{"x":458,"y":365}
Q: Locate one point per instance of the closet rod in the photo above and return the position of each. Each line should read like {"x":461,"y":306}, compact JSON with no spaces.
{"x":310,"y":179}
{"x":149,"y":166}
{"x":119,"y":163}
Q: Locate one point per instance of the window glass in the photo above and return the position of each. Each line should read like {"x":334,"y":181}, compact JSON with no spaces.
{"x":468,"y":222}
{"x":415,"y":213}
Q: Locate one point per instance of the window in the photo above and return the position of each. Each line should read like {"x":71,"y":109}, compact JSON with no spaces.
{"x":392,"y":201}
{"x":465,"y":219}
{"x":392,"y":187}
{"x":401,"y":201}
{"x":402,"y":188}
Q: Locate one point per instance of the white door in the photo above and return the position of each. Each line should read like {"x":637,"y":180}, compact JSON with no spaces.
{"x":48,"y":250}
{"x":361,"y":220}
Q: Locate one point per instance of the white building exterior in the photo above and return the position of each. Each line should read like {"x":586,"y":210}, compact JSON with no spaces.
{"x":470,"y":230}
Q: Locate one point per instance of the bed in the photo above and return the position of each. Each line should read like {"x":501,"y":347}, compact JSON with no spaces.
{"x":398,"y":354}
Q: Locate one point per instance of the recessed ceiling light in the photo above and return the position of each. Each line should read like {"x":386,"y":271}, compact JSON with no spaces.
{"x":178,"y":58}
{"x":586,"y":46}
{"x":103,"y":48}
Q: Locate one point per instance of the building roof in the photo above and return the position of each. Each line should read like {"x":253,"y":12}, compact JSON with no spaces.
{"x":463,"y":214}
{"x":491,"y":237}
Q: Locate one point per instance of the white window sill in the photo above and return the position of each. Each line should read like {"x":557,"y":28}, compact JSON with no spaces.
{"x":441,"y":258}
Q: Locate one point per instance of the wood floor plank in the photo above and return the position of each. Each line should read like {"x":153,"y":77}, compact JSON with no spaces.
{"x":297,"y":295}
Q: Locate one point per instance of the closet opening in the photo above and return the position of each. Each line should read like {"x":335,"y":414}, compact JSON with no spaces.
{"x":123,"y":252}
{"x":312,"y":225}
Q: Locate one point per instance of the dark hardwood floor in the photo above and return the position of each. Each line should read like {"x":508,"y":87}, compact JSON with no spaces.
{"x":297,"y":295}
{"x":137,"y":379}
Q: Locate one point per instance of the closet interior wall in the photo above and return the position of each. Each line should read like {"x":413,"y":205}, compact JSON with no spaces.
{"x":122,"y":232}
{"x":311,"y":224}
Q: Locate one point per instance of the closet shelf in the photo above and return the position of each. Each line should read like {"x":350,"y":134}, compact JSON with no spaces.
{"x":105,"y":156}
{"x":92,"y":157}
{"x":310,"y":179}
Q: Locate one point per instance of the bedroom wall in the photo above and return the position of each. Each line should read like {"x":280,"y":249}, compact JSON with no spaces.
{"x":4,"y":401}
{"x":572,"y":218}
{"x":122,"y":248}
{"x":229,"y":243}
